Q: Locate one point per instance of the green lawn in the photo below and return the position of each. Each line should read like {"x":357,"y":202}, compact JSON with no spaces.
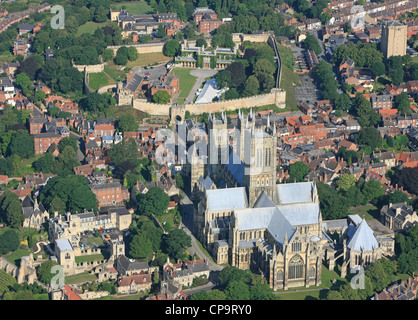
{"x":187,"y":82}
{"x":43,"y":296}
{"x":112,"y":70}
{"x":147,"y":59}
{"x":289,"y":79}
{"x":98,"y":80}
{"x":80,"y":278}
{"x":89,"y":258}
{"x":168,"y":218}
{"x":369,"y":212}
{"x":312,"y":295}
{"x":133,"y":7}
{"x":90,"y":27}
{"x":17,"y":255}
{"x":97,"y":241}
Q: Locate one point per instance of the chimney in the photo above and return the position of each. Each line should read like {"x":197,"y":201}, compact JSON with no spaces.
{"x":55,"y":214}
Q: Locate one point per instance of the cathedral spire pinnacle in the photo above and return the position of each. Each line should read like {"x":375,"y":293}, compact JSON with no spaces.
{"x":268,"y":121}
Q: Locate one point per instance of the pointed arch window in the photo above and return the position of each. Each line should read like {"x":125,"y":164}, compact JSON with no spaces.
{"x":296,"y":267}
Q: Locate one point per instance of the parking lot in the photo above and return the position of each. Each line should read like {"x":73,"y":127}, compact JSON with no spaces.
{"x":307,"y":91}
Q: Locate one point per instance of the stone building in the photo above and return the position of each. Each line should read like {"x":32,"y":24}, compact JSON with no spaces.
{"x":398,"y":216}
{"x":182,"y":273}
{"x":35,"y":214}
{"x":394,"y":36}
{"x":65,"y":255}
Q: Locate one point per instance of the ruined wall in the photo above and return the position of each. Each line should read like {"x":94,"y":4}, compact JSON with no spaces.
{"x":93,"y":68}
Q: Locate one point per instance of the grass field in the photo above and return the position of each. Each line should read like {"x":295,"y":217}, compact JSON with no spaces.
{"x":17,"y":255}
{"x":146,"y":59}
{"x":90,"y":27}
{"x":369,"y":212}
{"x":113,"y":71}
{"x":98,"y":80}
{"x":80,"y":278}
{"x":133,"y":7}
{"x":289,"y":79}
{"x":187,"y":82}
{"x":117,"y":111}
{"x":89,"y":258}
{"x":96,"y":241}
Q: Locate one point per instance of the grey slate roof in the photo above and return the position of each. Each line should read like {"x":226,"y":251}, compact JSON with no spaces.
{"x":63,"y":245}
{"x":301,"y":213}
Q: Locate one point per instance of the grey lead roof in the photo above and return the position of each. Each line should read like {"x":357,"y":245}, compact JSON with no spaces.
{"x":294,"y":192}
{"x":64,"y":245}
{"x":363,"y":238}
{"x":301,"y":213}
{"x":226,"y":199}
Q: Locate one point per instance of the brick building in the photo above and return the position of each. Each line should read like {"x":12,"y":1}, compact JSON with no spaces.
{"x":109,"y":192}
{"x":43,"y":141}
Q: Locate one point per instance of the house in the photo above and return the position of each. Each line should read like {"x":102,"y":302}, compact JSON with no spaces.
{"x":109,"y":192}
{"x":406,"y":290}
{"x":206,"y":19}
{"x":381,"y":101}
{"x":412,"y":86}
{"x":21,"y":47}
{"x":398,"y":217}
{"x":348,"y":145}
{"x":183,"y":273}
{"x":129,"y":267}
{"x":35,"y":214}
{"x":134,"y":283}
{"x":42,"y":141}
{"x":389,"y":158}
{"x":25,"y":28}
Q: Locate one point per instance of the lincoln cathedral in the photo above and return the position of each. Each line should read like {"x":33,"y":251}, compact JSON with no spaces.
{"x":248,"y":221}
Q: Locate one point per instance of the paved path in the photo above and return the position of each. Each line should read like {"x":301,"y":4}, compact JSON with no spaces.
{"x":201,"y":76}
{"x":39,"y":247}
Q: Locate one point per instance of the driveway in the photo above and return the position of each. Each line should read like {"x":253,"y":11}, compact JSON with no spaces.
{"x":201,"y":75}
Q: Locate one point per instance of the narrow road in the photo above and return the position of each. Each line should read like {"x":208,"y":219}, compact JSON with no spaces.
{"x":201,"y":76}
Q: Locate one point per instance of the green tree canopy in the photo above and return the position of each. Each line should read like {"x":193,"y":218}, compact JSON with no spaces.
{"x":154,"y":202}
{"x":140,"y":247}
{"x":176,"y":243}
{"x":298,"y":171}
{"x":171,"y":48}
{"x":127,"y":123}
{"x":11,"y":209}
{"x":9,"y":241}
{"x":161,"y":97}
{"x":44,"y":272}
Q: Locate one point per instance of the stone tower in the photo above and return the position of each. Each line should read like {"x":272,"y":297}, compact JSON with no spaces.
{"x":197,"y":170}
{"x":260,"y":161}
{"x":394,"y":37}
{"x":218,"y":144}
{"x":244,"y":122}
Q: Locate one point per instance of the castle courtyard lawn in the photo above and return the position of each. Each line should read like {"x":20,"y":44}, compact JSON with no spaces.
{"x":147,"y":59}
{"x":97,"y":241}
{"x":15,"y":256}
{"x":89,"y":258}
{"x":133,"y":7}
{"x":98,"y":80}
{"x":80,"y":278}
{"x":187,"y":82}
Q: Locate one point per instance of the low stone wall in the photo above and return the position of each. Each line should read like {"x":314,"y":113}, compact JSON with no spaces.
{"x":152,"y":108}
{"x":106,"y":88}
{"x":142,"y":47}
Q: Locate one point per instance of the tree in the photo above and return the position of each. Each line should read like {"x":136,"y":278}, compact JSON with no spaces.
{"x":179,"y":181}
{"x":407,"y":178}
{"x":171,"y":48}
{"x":343,"y":102}
{"x":161,"y":97}
{"x":403,"y":104}
{"x":223,"y":78}
{"x":332,"y":204}
{"x":40,"y":95}
{"x":30,"y":67}
{"x":121,"y":56}
{"x":378,"y":68}
{"x":175,"y":244}
{"x":372,"y":190}
{"x":154,"y":202}
{"x":396,"y":75}
{"x":311,"y":43}
{"x":252,"y":86}
{"x":68,"y":141}
{"x":160,"y":31}
{"x":132,"y":53}
{"x":72,"y":190}
{"x":298,"y":171}
{"x":44,"y":272}
{"x":140,"y":247}
{"x":127,"y":123}
{"x":237,"y":72}
{"x":23,"y":81}
{"x":261,"y":292}
{"x":407,"y":250}
{"x":22,"y":144}
{"x":334,"y":295}
{"x":369,"y":136}
{"x":346,"y":181}
{"x":44,"y":164}
{"x":201,"y":42}
{"x":11,"y":209}
{"x":237,"y":290}
{"x":9,"y":241}
{"x":108,"y":55}
{"x":263,"y":66}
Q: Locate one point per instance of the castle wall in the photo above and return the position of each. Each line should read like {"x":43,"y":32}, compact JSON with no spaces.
{"x":94,"y":68}
{"x":277,"y":97}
